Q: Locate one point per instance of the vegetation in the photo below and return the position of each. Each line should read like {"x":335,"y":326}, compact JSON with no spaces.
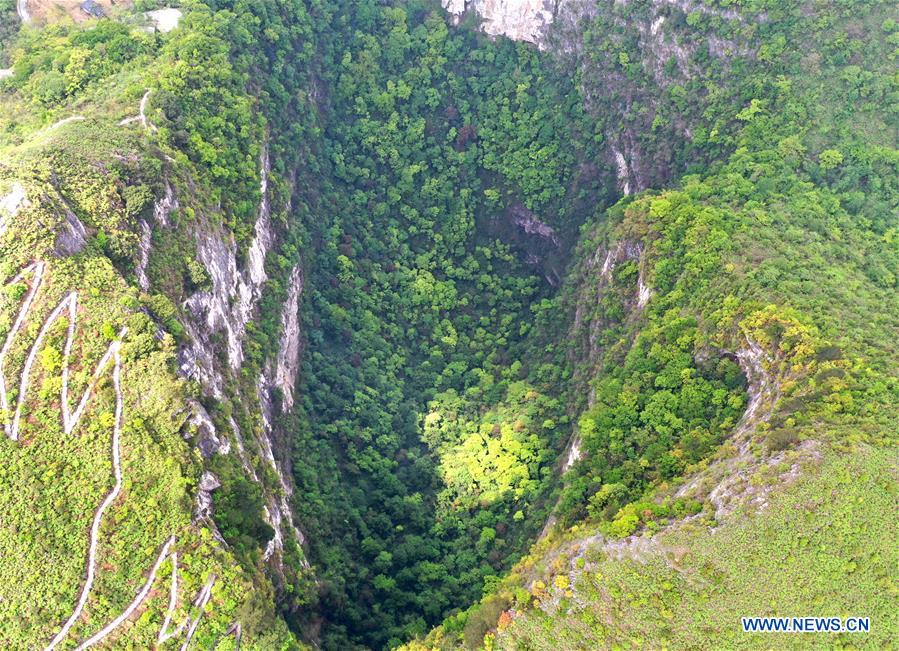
{"x":8,"y":29}
{"x":691,"y":587}
{"x":519,"y":389}
{"x":767,"y":248}
{"x":105,"y":179}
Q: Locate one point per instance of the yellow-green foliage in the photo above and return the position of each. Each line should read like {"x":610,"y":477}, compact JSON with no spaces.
{"x":822,"y":546}
{"x":51,"y":482}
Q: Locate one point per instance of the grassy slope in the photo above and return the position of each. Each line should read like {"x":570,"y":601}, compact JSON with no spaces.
{"x":823,"y":546}
{"x":795,"y":236}
{"x":51,"y":483}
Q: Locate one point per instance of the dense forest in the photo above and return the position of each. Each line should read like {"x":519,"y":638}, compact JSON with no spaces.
{"x":393,"y":333}
{"x":431,"y":417}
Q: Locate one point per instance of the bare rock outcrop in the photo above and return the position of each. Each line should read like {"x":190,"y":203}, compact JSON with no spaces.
{"x":71,"y":237}
{"x":208,"y":483}
{"x":284,"y":374}
{"x":161,"y":211}
{"x":231,"y":301}
{"x":10,"y":204}
{"x":520,"y":20}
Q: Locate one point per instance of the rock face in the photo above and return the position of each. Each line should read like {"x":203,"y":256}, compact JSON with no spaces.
{"x":592,"y":325}
{"x":208,"y":483}
{"x":287,"y":364}
{"x":143,"y":260}
{"x":520,"y":20}
{"x":537,"y":240}
{"x":531,"y":225}
{"x":72,"y":237}
{"x":281,"y":372}
{"x":207,"y":438}
{"x":230,"y":303}
{"x":164,"y":20}
{"x":611,"y":257}
{"x":161,"y":211}
{"x":10,"y":204}
{"x":277,"y":509}
{"x":221,"y":313}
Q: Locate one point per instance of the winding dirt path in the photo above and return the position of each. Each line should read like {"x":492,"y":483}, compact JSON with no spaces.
{"x":73,"y":118}
{"x":70,"y":303}
{"x":98,"y":514}
{"x":70,"y":421}
{"x":173,"y":602}
{"x":38,"y":269}
{"x":202,"y":600}
{"x":138,"y":600}
{"x":142,"y":114}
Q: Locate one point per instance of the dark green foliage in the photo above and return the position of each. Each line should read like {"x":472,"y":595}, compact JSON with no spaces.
{"x":9,"y":24}
{"x":238,"y":507}
{"x":430,"y":431}
{"x":442,"y":375}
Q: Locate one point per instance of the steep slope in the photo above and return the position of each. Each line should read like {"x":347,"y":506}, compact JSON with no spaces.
{"x":671,"y":545}
{"x":99,"y":484}
{"x":323,"y":321}
{"x":426,"y":426}
{"x":140,"y":218}
{"x":685,"y":505}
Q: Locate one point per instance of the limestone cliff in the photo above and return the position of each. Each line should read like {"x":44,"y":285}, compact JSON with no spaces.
{"x":520,"y":20}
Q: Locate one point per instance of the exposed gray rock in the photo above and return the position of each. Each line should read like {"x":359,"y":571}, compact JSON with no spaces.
{"x":196,"y":360}
{"x":278,"y":512}
{"x":241,"y":450}
{"x":143,"y":255}
{"x":208,"y":483}
{"x":520,"y":20}
{"x":10,"y":204}
{"x":164,"y":20}
{"x":164,"y":207}
{"x":623,"y":251}
{"x":288,"y":361}
{"x":225,"y":308}
{"x":624,"y":182}
{"x":628,"y":169}
{"x":729,"y":481}
{"x":161,"y":211}
{"x":230,"y":303}
{"x":611,"y":257}
{"x":644,"y":293}
{"x":531,"y":225}
{"x":574,"y":452}
{"x":71,"y":238}
{"x":205,"y":435}
{"x":281,"y":373}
